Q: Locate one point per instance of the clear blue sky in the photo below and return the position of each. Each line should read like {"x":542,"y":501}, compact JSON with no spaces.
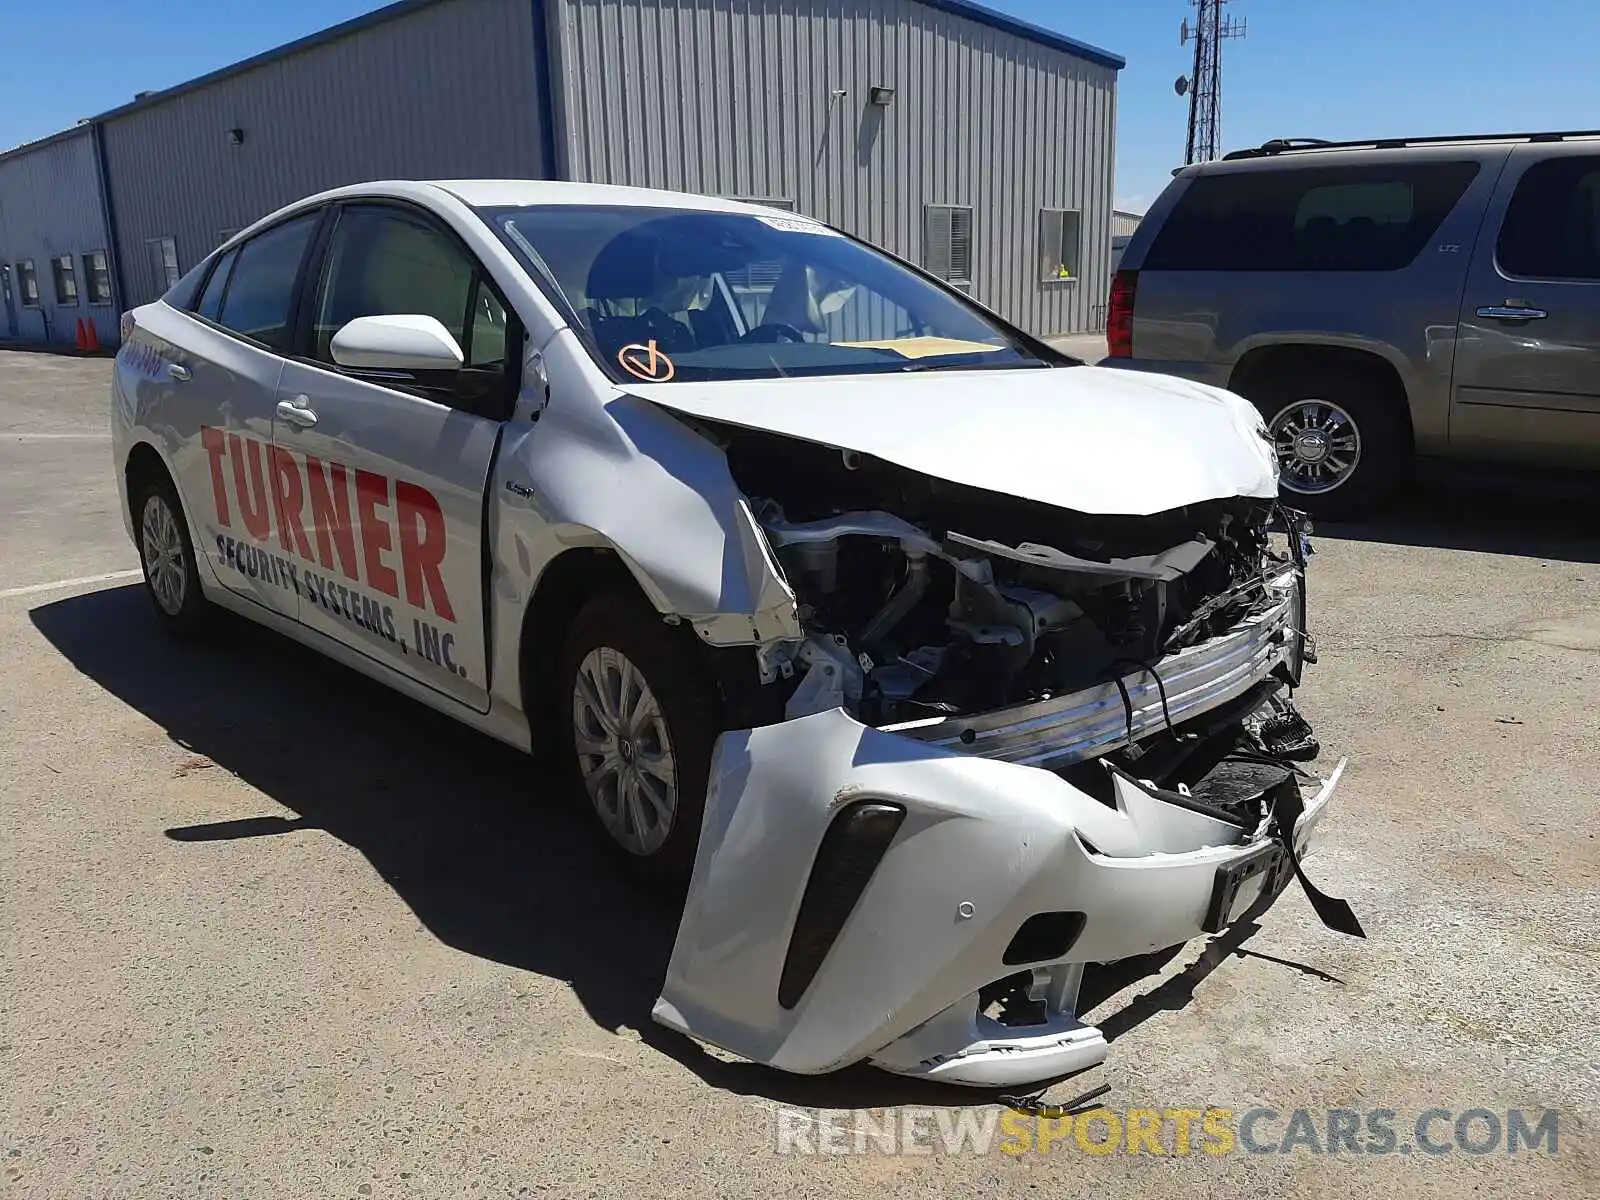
{"x":1307,"y":68}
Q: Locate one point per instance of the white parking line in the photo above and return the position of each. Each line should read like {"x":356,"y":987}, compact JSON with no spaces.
{"x":64,"y":584}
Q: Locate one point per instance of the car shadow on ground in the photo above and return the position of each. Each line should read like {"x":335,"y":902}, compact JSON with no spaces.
{"x":1496,"y":512}
{"x":471,"y":834}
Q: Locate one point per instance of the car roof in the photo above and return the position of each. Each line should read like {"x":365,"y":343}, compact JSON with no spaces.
{"x":529,"y":193}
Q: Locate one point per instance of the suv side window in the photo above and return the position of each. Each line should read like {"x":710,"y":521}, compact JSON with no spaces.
{"x":1552,"y":225}
{"x":1355,"y":217}
{"x":385,"y":261}
{"x":260,"y":293}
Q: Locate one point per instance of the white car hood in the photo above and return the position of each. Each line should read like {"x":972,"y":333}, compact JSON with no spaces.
{"x":1089,"y":439}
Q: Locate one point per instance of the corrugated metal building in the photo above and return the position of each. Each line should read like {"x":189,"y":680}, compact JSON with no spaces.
{"x":53,"y":241}
{"x":974,"y":144}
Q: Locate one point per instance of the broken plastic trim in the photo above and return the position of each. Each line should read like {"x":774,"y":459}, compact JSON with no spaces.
{"x":850,"y":852}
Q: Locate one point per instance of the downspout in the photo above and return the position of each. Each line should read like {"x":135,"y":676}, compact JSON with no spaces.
{"x":550,"y":56}
{"x":113,"y":248}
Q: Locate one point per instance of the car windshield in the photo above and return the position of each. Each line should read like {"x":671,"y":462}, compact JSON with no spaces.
{"x":667,"y":294}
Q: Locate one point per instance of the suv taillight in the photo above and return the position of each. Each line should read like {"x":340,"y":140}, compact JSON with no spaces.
{"x":1119,"y":318}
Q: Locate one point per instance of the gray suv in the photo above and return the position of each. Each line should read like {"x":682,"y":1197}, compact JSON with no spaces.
{"x":1381,"y":300}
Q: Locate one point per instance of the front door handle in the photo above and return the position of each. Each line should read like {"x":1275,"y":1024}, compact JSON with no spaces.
{"x":177,"y":374}
{"x":297,"y":411}
{"x":1512,"y":312}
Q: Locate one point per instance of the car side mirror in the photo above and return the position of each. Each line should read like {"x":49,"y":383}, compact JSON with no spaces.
{"x":399,"y":342}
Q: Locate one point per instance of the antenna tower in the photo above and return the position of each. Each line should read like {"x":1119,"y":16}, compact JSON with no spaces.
{"x":1204,"y":84}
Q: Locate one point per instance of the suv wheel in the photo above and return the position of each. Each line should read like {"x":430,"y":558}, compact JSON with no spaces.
{"x":639,"y":722}
{"x":1340,"y":441}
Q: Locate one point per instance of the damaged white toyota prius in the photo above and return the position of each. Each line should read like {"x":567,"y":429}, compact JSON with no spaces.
{"x":927,"y":664}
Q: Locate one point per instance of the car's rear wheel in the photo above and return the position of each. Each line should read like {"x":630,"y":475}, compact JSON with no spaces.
{"x":1342,"y":443}
{"x":166,"y":554}
{"x":639,"y":722}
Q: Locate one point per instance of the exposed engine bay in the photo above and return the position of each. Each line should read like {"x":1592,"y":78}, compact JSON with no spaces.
{"x":925,"y":600}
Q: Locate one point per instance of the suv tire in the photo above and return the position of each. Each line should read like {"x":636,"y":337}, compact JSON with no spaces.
{"x":1342,"y":441}
{"x":637,"y":721}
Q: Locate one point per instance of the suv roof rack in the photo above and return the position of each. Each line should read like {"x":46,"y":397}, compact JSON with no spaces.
{"x":1281,"y":145}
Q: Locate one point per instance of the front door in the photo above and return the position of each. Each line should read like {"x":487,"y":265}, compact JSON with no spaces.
{"x":1527,"y":369}
{"x":393,"y":467}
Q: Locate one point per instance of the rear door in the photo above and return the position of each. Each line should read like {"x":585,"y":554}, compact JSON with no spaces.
{"x":1527,"y":370}
{"x":391,"y":468}
{"x":210,"y":376}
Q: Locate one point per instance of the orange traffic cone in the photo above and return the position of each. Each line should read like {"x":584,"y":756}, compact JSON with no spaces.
{"x":91,"y":339}
{"x":82,"y":344}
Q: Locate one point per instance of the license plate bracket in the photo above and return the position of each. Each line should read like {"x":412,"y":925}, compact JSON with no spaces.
{"x":1268,"y":859}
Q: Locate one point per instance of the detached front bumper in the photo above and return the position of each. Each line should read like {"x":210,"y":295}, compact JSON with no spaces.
{"x":855,"y":890}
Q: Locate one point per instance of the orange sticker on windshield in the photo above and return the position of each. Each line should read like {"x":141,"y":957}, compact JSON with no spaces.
{"x":646,"y":361}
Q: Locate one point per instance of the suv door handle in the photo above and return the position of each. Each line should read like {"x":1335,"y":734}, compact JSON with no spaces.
{"x":1512,"y":312}
{"x":177,"y":374}
{"x":297,"y":411}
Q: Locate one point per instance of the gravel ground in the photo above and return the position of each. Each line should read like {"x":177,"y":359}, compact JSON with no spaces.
{"x":269,"y":930}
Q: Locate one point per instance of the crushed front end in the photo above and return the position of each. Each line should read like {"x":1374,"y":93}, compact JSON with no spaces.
{"x":1017,"y":740}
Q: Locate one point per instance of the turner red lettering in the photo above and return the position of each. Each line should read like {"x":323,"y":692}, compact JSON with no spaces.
{"x":287,"y":501}
{"x":330,"y":516}
{"x":253,"y":499}
{"x":422,"y":546}
{"x":371,"y":491}
{"x":216,"y":446}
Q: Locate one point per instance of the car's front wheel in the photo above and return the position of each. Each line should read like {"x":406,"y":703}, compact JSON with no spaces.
{"x":166,"y":554}
{"x":639,"y":722}
{"x":1341,"y":442}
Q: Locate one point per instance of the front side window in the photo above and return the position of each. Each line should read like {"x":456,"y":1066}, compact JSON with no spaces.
{"x":663,"y":294}
{"x":97,"y":276}
{"x":1552,"y":225}
{"x":66,"y":280}
{"x":1355,"y":217}
{"x":27,"y":284}
{"x":260,"y":293}
{"x":388,"y":262}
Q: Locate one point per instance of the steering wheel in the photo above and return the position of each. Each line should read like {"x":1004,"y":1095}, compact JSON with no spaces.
{"x":773,"y":331}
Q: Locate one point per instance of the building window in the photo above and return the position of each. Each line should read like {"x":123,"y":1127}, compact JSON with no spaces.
{"x":164,"y":260}
{"x":1060,"y":232}
{"x":66,"y":279}
{"x":97,"y":276}
{"x":947,"y":242}
{"x":27,"y":284}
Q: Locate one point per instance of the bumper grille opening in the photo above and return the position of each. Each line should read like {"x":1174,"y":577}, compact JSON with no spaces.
{"x":1044,"y":937}
{"x":850,"y":852}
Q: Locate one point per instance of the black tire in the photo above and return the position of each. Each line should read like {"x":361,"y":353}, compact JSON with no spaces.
{"x":690,"y":712}
{"x":1335,"y":397}
{"x":166,"y":554}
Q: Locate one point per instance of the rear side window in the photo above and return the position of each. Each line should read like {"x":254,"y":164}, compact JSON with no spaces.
{"x":1356,"y":217}
{"x":1552,"y":225}
{"x":210,"y":306}
{"x":260,"y":295}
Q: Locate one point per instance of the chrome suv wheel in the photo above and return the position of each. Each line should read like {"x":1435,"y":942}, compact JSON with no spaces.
{"x":1318,"y":445}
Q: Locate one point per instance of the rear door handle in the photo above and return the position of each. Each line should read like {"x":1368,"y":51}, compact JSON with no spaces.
{"x":297,"y":411}
{"x":177,"y":374}
{"x":1512,"y":312}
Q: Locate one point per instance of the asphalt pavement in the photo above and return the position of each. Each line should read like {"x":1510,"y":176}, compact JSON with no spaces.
{"x":269,"y":930}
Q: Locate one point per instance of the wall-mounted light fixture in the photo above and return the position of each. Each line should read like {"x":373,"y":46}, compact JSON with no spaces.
{"x":236,"y":137}
{"x":881,"y":96}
